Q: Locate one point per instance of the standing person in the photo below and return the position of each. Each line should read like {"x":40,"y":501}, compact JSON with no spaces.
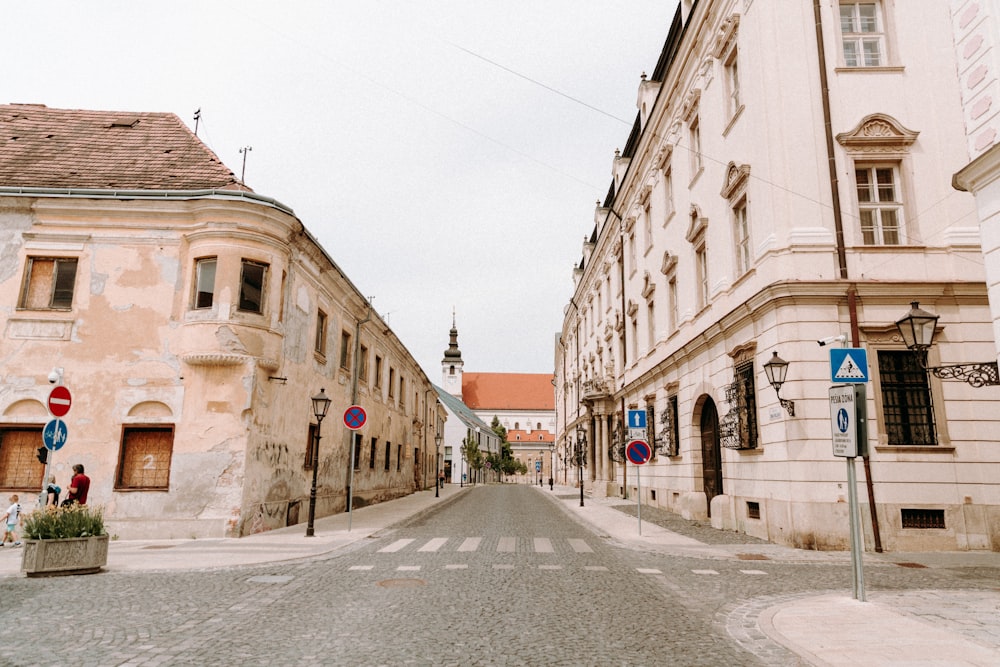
{"x":52,"y":492}
{"x":11,"y":518}
{"x":78,"y":486}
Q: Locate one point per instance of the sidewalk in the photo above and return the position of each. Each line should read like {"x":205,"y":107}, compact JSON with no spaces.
{"x":939,"y":627}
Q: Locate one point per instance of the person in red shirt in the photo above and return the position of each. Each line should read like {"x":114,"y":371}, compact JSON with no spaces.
{"x":78,"y":486}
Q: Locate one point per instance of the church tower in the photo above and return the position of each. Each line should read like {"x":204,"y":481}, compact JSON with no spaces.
{"x":451,"y":365}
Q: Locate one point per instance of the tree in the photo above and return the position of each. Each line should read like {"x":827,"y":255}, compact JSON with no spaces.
{"x":471,"y":453}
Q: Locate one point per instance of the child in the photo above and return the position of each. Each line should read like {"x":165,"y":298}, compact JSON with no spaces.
{"x":11,"y":519}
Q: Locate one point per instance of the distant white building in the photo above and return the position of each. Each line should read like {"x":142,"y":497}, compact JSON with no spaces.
{"x":776,"y":191}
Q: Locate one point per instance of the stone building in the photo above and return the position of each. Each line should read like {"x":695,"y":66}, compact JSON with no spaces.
{"x":787,"y":180}
{"x":192,"y":320}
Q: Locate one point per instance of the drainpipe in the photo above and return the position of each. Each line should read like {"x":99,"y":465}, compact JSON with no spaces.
{"x":354,"y":401}
{"x":838,"y":221}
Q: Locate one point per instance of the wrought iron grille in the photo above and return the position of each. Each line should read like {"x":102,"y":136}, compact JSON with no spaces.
{"x":738,"y":429}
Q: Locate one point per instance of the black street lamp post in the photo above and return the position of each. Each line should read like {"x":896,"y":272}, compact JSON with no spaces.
{"x":918,"y":327}
{"x":776,"y":370}
{"x":320,"y":404}
{"x":437,"y":467}
{"x":581,"y":448}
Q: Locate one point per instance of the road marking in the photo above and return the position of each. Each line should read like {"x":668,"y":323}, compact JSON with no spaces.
{"x":550,"y":567}
{"x":704,"y":571}
{"x":580,"y":546}
{"x":543,"y":545}
{"x":753,"y":571}
{"x":434,"y":545}
{"x":470,"y":544}
{"x":647,"y":570}
{"x":595,"y":568}
{"x":507,"y":544}
{"x":361,"y":567}
{"x":395,"y":546}
{"x":457,"y":566}
{"x":408,"y":568}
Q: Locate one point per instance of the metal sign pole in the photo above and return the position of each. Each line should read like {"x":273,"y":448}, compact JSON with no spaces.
{"x":858,"y":578}
{"x":638,"y":500}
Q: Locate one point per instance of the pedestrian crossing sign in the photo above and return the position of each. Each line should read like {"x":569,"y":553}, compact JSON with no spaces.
{"x":848,"y":365}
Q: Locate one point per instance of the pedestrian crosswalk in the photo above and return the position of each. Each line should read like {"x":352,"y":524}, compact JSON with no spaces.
{"x":503,"y":544}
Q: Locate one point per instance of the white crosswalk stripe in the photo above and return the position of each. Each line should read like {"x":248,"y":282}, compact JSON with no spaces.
{"x":580,"y":546}
{"x":395,"y":546}
{"x":470,"y":544}
{"x":543,"y":545}
{"x":434,"y":545}
{"x":507,"y":544}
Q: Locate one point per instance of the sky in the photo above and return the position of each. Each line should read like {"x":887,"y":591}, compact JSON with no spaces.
{"x":447,"y":154}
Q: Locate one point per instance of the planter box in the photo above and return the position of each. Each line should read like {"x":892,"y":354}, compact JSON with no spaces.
{"x":77,"y":555}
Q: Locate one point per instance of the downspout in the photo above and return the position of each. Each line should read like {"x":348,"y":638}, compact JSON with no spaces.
{"x":354,"y":401}
{"x":838,"y":221}
{"x":621,"y":234}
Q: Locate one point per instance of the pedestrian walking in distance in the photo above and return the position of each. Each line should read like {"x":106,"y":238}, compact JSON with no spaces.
{"x":11,"y":518}
{"x":78,"y":487}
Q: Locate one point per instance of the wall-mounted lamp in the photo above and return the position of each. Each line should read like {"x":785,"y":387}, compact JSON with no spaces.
{"x":776,"y":369}
{"x":918,"y":327}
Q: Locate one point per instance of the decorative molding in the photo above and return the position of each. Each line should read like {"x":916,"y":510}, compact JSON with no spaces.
{"x":690,"y":106}
{"x":735,"y":185}
{"x":726,"y":35}
{"x":698,"y":225}
{"x":662,"y":158}
{"x":877,"y":133}
{"x":632,"y":309}
{"x":648,"y":286}
{"x":214,"y":359}
{"x":669,"y":263}
{"x":628,"y":223}
{"x":743,"y":353}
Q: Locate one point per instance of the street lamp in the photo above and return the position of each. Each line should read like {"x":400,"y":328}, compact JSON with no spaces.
{"x":776,"y":369}
{"x":320,"y":404}
{"x":918,"y":327}
{"x":552,"y":465}
{"x":581,"y":447}
{"x":437,"y":466}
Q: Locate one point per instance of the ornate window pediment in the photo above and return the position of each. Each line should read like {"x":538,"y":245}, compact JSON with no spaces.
{"x":698,"y":225}
{"x":648,"y":286}
{"x":669,"y":263}
{"x":726,"y":35}
{"x":877,"y":133}
{"x":737,"y":177}
{"x":629,"y":223}
{"x":632,"y":309}
{"x":690,"y":107}
{"x":662,"y":157}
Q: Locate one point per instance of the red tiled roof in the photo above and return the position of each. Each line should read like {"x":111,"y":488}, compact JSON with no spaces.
{"x":71,"y":148}
{"x":508,"y":391}
{"x":529,"y":438}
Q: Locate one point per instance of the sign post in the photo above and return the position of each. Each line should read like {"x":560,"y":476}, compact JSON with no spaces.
{"x":354,"y":419}
{"x":55,"y":432}
{"x":638,"y":452}
{"x":850,"y":436}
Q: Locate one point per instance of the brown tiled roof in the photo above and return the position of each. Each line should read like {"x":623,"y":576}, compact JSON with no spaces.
{"x":72,"y":148}
{"x":523,"y":437}
{"x":508,"y":391}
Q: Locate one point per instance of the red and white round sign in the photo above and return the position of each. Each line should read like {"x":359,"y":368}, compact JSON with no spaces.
{"x":59,"y":401}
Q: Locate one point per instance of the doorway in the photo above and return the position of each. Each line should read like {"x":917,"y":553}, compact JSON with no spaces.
{"x":711,"y":451}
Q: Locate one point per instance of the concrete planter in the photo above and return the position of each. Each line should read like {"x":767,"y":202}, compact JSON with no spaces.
{"x":76,"y":555}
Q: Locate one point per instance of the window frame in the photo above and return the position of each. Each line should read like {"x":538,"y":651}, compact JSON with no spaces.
{"x":860,"y":36}
{"x":322,"y":324}
{"x":26,"y":473}
{"x":876,"y":206}
{"x":307,"y":464}
{"x":197,"y":292}
{"x":345,"y":349}
{"x":243,"y":298}
{"x":919,"y":388}
{"x":56,"y":284}
{"x":741,"y":236}
{"x":124,"y":465}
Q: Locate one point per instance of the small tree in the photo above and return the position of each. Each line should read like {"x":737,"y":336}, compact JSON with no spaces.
{"x":470,"y":450}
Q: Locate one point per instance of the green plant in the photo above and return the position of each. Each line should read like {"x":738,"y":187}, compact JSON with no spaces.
{"x":54,"y":523}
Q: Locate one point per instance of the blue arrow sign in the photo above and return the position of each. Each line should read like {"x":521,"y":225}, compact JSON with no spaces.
{"x":637,"y":419}
{"x":54,"y":435}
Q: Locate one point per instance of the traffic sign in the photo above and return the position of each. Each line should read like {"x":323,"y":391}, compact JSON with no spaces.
{"x":847,"y":420}
{"x":637,"y":419}
{"x":54,"y":434}
{"x":538,"y":466}
{"x":638,"y":452}
{"x":59,"y":401}
{"x":355,"y":417}
{"x":848,"y":365}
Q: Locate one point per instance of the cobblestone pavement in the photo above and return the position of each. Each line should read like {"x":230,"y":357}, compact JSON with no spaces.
{"x":499,"y":576}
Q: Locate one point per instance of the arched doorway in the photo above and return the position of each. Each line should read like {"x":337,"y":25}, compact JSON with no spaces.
{"x":711,"y":452}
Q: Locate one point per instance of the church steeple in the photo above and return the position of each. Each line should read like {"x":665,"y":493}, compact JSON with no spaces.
{"x":451,"y":365}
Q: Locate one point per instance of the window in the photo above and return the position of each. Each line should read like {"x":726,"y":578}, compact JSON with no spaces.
{"x":731,"y":64}
{"x":388,"y":453}
{"x":651,"y":424}
{"x":145,"y":457}
{"x":738,"y":429}
{"x":378,"y":371}
{"x":310,"y":448}
{"x":863,"y":34}
{"x":672,"y":297}
{"x":392,"y":382}
{"x":671,"y":427}
{"x":701,"y":267}
{"x":252,"y":280}
{"x":651,"y":323}
{"x":19,"y":465}
{"x":668,"y":190}
{"x":371,"y":454}
{"x":539,"y":426}
{"x":880,"y":205}
{"x":741,"y":237}
{"x":49,"y":283}
{"x":694,"y":134}
{"x":647,"y":221}
{"x":345,"y":350}
{"x":906,"y":399}
{"x":363,"y":371}
{"x":357,"y":451}
{"x":399,"y":457}
{"x":204,"y":282}
{"x":320,"y":343}
{"x":402,"y":392}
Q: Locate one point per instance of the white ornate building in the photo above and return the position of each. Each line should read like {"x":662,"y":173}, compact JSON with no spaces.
{"x":788,"y":180}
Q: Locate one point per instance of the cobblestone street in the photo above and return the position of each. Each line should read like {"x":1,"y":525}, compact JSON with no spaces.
{"x":502,"y":575}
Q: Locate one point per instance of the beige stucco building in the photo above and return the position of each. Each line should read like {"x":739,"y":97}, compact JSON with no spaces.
{"x":193,"y":320}
{"x":788,"y":180}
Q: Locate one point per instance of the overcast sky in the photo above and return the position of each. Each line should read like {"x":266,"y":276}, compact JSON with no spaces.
{"x":447,"y":154}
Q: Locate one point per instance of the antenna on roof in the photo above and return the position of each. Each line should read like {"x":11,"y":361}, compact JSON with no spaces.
{"x":197,"y":117}
{"x":244,"y":150}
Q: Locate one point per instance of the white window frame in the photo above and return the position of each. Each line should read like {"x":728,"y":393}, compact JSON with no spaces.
{"x":741,"y":236}
{"x":856,"y":35}
{"x":874,"y":209}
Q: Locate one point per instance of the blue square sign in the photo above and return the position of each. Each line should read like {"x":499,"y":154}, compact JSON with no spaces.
{"x":637,"y":419}
{"x":848,"y":365}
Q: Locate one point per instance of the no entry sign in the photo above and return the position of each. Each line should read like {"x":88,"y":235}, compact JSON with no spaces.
{"x":59,"y":401}
{"x":355,"y":417}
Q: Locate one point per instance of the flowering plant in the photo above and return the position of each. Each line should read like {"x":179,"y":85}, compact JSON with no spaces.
{"x":53,"y":523}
